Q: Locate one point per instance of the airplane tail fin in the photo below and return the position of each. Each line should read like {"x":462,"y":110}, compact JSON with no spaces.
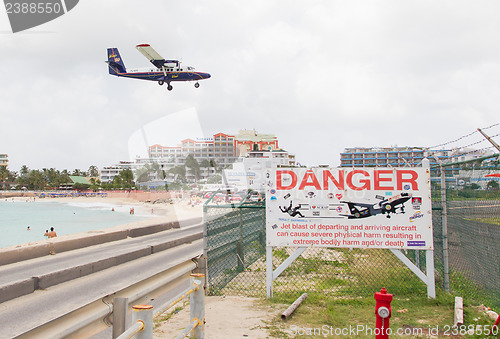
{"x":115,"y":62}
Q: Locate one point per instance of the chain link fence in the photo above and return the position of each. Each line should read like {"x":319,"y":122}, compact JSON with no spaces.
{"x":235,"y":248}
{"x":470,"y":208}
{"x":235,"y":239}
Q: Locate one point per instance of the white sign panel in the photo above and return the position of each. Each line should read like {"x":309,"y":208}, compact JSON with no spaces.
{"x":349,"y":207}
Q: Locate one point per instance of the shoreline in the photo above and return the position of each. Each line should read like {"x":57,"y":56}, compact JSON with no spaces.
{"x":162,"y":213}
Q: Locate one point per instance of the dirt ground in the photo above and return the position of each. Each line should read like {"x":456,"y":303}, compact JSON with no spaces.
{"x":226,"y":317}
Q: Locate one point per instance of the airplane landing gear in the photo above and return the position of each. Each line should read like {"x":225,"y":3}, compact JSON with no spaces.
{"x":196,"y":85}
{"x":169,"y":87}
{"x":160,"y":82}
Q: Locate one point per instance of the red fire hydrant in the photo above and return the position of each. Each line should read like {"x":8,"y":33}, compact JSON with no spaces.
{"x":383,"y":313}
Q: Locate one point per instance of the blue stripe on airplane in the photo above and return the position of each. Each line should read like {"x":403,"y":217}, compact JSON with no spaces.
{"x":177,"y":76}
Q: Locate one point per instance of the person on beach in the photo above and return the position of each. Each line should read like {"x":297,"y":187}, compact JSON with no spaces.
{"x":46,"y":233}
{"x":29,"y":229}
{"x":52,"y":233}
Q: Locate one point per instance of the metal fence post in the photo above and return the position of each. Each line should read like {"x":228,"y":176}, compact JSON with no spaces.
{"x":269,"y":271}
{"x":144,"y":314}
{"x":203,"y":265}
{"x":197,"y":305}
{"x":240,"y":245}
{"x":444,"y":221}
{"x":120,"y":308}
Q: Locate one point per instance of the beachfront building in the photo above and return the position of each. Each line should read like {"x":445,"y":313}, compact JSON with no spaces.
{"x":212,"y":153}
{"x":249,"y":172}
{"x":386,"y":156}
{"x":413,"y":156}
{"x":250,"y":140}
{"x":469,"y":154}
{"x":4,"y":160}
{"x":395,"y":157}
{"x":405,"y":156}
{"x":107,"y":174}
{"x":220,"y":151}
{"x":219,"y":148}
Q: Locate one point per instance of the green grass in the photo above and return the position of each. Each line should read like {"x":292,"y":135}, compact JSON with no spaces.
{"x":321,"y":316}
{"x":492,"y":221}
{"x":157,"y":322}
{"x":341,"y":284}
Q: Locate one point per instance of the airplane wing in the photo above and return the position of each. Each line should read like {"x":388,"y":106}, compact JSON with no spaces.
{"x":153,"y":56}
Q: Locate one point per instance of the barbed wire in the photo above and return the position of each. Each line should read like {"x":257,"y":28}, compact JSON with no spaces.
{"x":498,"y":123}
{"x":453,"y":141}
{"x":464,"y":137}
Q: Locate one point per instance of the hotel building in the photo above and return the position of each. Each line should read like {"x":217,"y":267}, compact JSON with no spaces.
{"x":221,"y":151}
{"x":387,"y":157}
{"x":4,"y":160}
{"x":405,"y":156}
{"x":222,"y":148}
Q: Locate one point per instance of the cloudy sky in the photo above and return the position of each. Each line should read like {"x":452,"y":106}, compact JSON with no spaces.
{"x":320,"y":74}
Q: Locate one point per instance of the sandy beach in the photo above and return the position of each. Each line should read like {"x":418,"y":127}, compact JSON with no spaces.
{"x":156,"y":212}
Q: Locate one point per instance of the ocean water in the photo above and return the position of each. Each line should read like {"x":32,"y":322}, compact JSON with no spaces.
{"x":65,"y":217}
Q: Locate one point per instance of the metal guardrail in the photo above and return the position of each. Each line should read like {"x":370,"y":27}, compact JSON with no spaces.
{"x":113,"y":308}
{"x":143,"y":315}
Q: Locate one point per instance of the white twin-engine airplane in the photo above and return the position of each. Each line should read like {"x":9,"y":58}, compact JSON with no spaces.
{"x":164,"y":71}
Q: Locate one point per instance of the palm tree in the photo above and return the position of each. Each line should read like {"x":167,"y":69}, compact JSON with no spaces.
{"x":142,"y":174}
{"x":205,"y":163}
{"x":179,"y":173}
{"x":37,"y":180}
{"x":128,"y":177}
{"x":4,"y":176}
{"x":24,"y":170}
{"x":193,"y":166}
{"x":93,"y":171}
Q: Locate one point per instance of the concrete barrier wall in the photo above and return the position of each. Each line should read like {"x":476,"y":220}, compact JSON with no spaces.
{"x":9,"y":256}
{"x":58,"y":245}
{"x":17,"y":289}
{"x":88,"y":240}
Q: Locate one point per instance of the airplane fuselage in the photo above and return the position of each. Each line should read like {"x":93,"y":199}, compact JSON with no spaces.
{"x":157,"y":74}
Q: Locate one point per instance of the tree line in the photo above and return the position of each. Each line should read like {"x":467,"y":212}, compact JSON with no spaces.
{"x":178,"y":174}
{"x":51,"y":178}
